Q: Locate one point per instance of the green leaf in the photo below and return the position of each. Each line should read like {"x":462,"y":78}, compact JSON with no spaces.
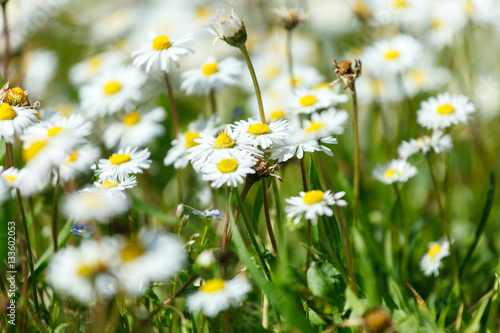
{"x":325,"y":281}
{"x":313,"y":182}
{"x":257,"y":206}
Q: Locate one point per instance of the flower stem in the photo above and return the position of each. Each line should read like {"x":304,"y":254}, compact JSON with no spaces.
{"x":355,"y":130}
{"x":225,"y":233}
{"x":6,"y":38}
{"x":55,"y":210}
{"x":309,"y":223}
{"x":202,"y":324}
{"x":213,"y":102}
{"x":268,"y":218}
{"x":178,"y":177}
{"x":175,"y":117}
{"x":289,"y":55}
{"x":406,"y":233}
{"x":244,"y":51}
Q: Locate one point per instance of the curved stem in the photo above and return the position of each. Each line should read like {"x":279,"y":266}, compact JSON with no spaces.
{"x":268,"y":218}
{"x":6,"y":58}
{"x":55,"y":210}
{"x":406,"y":232}
{"x":225,"y":233}
{"x":244,"y":51}
{"x":213,"y":102}
{"x":175,"y":117}
{"x":309,"y":223}
{"x":355,"y":130}
{"x":289,"y":55}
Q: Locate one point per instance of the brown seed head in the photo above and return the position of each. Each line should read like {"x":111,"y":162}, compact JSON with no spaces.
{"x":377,"y":320}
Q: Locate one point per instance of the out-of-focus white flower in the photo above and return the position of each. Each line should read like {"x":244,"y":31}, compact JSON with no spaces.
{"x":437,"y":143}
{"x":78,"y":161}
{"x":262,"y":135}
{"x":228,"y":171}
{"x":87,"y":206}
{"x":216,"y":295}
{"x":113,"y":186}
{"x":40,"y":69}
{"x":4,"y":188}
{"x":206,"y":259}
{"x":444,"y":110}
{"x":424,"y":78}
{"x":13,"y":121}
{"x":91,"y":67}
{"x":126,"y":161}
{"x":135,"y":129}
{"x":431,"y":261}
{"x":404,"y":12}
{"x":304,"y":101}
{"x":157,"y":54}
{"x":445,"y":20}
{"x":324,"y":124}
{"x":312,"y":204}
{"x":394,"y":171}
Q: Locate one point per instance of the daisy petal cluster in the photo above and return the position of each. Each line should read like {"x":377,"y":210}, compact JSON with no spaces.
{"x":431,"y":261}
{"x":121,"y":164}
{"x":444,"y":110}
{"x":312,"y":204}
{"x":260,"y":134}
{"x":228,"y":171}
{"x":394,"y":171}
{"x":437,"y":142}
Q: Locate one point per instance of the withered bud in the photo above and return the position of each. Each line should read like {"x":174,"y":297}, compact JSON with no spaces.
{"x":347,"y":73}
{"x":264,"y":169}
{"x":290,"y":17}
{"x":377,"y":320}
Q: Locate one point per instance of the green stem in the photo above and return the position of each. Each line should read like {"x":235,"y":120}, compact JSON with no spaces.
{"x":213,"y":103}
{"x":173,"y":107}
{"x":405,"y":259}
{"x":244,"y":51}
{"x":6,"y":38}
{"x":289,"y":55}
{"x":55,"y":210}
{"x":178,"y":178}
{"x":268,"y":218}
{"x":204,"y":235}
{"x":202,"y":324}
{"x":225,"y":233}
{"x":355,"y":130}
{"x":309,"y":223}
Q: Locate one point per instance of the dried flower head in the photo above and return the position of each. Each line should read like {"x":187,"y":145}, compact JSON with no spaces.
{"x":377,"y":320}
{"x":264,"y":169}
{"x":289,"y":18}
{"x":347,"y":73}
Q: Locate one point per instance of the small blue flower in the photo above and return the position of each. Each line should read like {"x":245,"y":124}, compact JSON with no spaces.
{"x":80,"y":229}
{"x":212,"y":214}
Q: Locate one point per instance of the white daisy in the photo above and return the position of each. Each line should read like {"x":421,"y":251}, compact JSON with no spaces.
{"x":216,"y":295}
{"x":83,"y":272}
{"x":304,"y":77}
{"x":313,"y":204}
{"x":91,"y":67}
{"x":445,"y":21}
{"x":395,"y":55}
{"x":113,"y":186}
{"x":135,"y":129}
{"x":444,"y":110}
{"x":112,"y":91}
{"x":263,"y":135}
{"x":178,"y":154}
{"x":371,"y":88}
{"x":324,"y":124}
{"x":394,"y":171}
{"x":225,"y":145}
{"x":13,"y":121}
{"x":157,"y":54}
{"x":87,"y":206}
{"x":4,"y":188}
{"x":272,"y":101}
{"x":229,"y":171}
{"x":123,"y":163}
{"x":424,"y":77}
{"x":227,"y":26}
{"x":303,"y":101}
{"x":431,"y":261}
{"x":78,"y":161}
{"x":212,"y":76}
{"x":10,"y":176}
{"x":438,"y":142}
{"x":404,"y":12}
{"x":150,"y":257}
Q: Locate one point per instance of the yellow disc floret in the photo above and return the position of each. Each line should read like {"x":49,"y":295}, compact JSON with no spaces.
{"x":308,"y":100}
{"x":131,"y":251}
{"x":132,"y":118}
{"x":314,"y":127}
{"x":389,"y":173}
{"x":391,"y":55}
{"x":53,"y":131}
{"x":16,"y":96}
{"x":190,"y":136}
{"x":161,"y":43}
{"x":312,"y":197}
{"x":227,"y":165}
{"x":399,"y":4}
{"x":10,"y":178}
{"x":7,"y":112}
{"x":224,"y":141}
{"x":277,"y":114}
{"x":87,"y":271}
{"x":434,"y":251}
{"x":72,"y":157}
{"x":212,"y":285}
{"x":30,"y":152}
{"x":209,"y":69}
{"x":112,"y":87}
{"x":445,"y":109}
{"x":259,"y":129}
{"x":107,"y":185}
{"x":117,"y":159}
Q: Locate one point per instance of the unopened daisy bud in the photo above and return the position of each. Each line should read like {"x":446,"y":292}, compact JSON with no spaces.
{"x":180,"y":209}
{"x":206,"y":259}
{"x":227,"y":26}
{"x":290,"y":17}
{"x":16,"y":96}
{"x":377,"y":320}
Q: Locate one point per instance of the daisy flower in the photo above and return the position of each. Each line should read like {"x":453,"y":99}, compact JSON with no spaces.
{"x":85,"y":206}
{"x":431,"y":261}
{"x":212,"y":76}
{"x":437,"y":143}
{"x":304,"y":77}
{"x":304,"y":101}
{"x":216,"y":295}
{"x":78,"y":161}
{"x":113,"y":187}
{"x":206,"y":259}
{"x":13,"y":121}
{"x":135,"y":129}
{"x":313,"y":204}
{"x":14,"y":96}
{"x":404,"y":12}
{"x":178,"y":154}
{"x":260,"y":134}
{"x":91,"y":67}
{"x":10,"y":176}
{"x":446,"y":19}
{"x":424,"y":77}
{"x":83,"y":272}
{"x":150,"y":257}
{"x":395,"y":55}
{"x":444,"y":110}
{"x":227,"y":26}
{"x":4,"y":188}
{"x":112,"y":91}
{"x":228,"y":171}
{"x":82,"y":230}
{"x":325,"y":124}
{"x":394,"y":171}
{"x":226,"y":145}
{"x":123,"y":163}
{"x":157,"y":54}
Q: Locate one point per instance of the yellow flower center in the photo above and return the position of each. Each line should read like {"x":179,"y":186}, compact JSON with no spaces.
{"x":389,"y":173}
{"x":212,"y":285}
{"x":295,"y":81}
{"x":190,"y":136}
{"x":92,"y":200}
{"x":469,"y":7}
{"x":445,"y":109}
{"x":272,"y":71}
{"x":322,"y":86}
{"x":112,"y":87}
{"x":436,"y":24}
{"x":312,"y":197}
{"x":314,"y":127}
{"x":203,"y":13}
{"x":131,"y":251}
{"x":87,"y":271}
{"x":421,"y":142}
{"x":7,"y":112}
{"x":259,"y":129}
{"x":434,"y":250}
{"x":53,"y":131}
{"x":65,"y":109}
{"x":209,"y":69}
{"x":16,"y":96}
{"x":94,"y":63}
{"x":224,"y":141}
{"x":107,"y":185}
{"x":33,"y":150}
{"x":161,"y":43}
{"x":399,"y":4}
{"x":308,"y":100}
{"x":72,"y":157}
{"x":227,"y":165}
{"x":132,"y":118}
{"x":391,"y":55}
{"x":117,"y":159}
{"x":417,"y":76}
{"x":10,"y":178}
{"x":277,"y":114}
